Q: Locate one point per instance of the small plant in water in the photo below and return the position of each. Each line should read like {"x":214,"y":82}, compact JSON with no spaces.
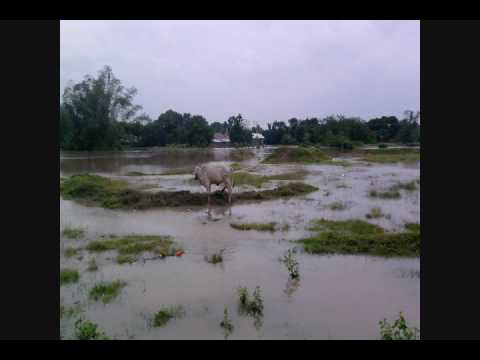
{"x":292,"y":264}
{"x":215,"y":258}
{"x":375,"y":213}
{"x":72,"y":233}
{"x":226,"y":324}
{"x":251,"y":305}
{"x":86,"y":330}
{"x":399,"y":330}
{"x":106,"y":291}
{"x":69,"y":252}
{"x":92,"y":265}
{"x":68,"y":276}
{"x":165,"y":314}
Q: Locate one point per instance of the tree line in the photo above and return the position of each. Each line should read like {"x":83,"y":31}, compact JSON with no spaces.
{"x":98,"y":113}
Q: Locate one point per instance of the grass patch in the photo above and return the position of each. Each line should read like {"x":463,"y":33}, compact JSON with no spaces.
{"x":106,"y":291}
{"x":338,"y":205}
{"x":236,"y":166}
{"x":302,"y":155}
{"x":69,"y":252}
{"x":390,"y":155}
{"x":69,"y":311}
{"x":361,"y":237}
{"x":389,"y":194}
{"x":73,"y":233}
{"x":86,"y":330}
{"x":408,"y":186}
{"x":165,"y":314}
{"x":342,"y":186}
{"x":254,"y":226}
{"x":375,"y":213}
{"x":245,"y":178}
{"x":69,"y":276}
{"x":129,"y":246}
{"x":226,"y":323}
{"x":291,"y":264}
{"x":112,"y":194}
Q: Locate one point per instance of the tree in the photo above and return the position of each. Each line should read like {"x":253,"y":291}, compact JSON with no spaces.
{"x":239,"y":133}
{"x":93,"y":109}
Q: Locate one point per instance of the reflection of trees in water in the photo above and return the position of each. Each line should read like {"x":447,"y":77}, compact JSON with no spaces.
{"x":112,"y":162}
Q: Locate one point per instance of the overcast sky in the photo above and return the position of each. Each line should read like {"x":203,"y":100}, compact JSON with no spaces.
{"x":265,"y":70}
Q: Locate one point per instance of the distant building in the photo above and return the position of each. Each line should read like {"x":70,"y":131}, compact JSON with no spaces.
{"x":220,"y":139}
{"x":258,"y":139}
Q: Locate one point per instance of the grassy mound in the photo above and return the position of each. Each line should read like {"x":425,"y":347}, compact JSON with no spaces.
{"x":302,"y":155}
{"x":245,"y":178}
{"x":254,"y":226}
{"x":390,"y":155}
{"x":112,"y":194}
{"x":361,"y":237}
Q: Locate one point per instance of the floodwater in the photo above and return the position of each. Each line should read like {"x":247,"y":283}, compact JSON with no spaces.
{"x":337,"y":297}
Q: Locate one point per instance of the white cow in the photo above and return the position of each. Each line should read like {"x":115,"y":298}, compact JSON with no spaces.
{"x":209,"y":174}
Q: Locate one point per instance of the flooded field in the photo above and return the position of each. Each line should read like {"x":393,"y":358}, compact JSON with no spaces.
{"x":336,"y":296}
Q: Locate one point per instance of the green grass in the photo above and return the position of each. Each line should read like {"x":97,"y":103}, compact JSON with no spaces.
{"x":399,"y":330}
{"x":254,"y":226}
{"x":245,"y":178}
{"x":165,"y":314}
{"x":408,"y":186}
{"x":70,"y":252}
{"x":69,"y":276}
{"x":390,"y":155}
{"x":69,"y":311}
{"x":87,"y":330}
{"x":236,"y":166}
{"x":106,"y":291}
{"x":361,"y":237}
{"x":129,"y":246}
{"x":181,"y":171}
{"x":375,"y":213}
{"x":338,"y":205}
{"x":301,"y":155}
{"x":389,"y":194}
{"x":73,"y":233}
{"x":99,"y":191}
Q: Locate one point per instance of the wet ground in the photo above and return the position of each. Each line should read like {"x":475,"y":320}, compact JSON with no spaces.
{"x":337,"y":297}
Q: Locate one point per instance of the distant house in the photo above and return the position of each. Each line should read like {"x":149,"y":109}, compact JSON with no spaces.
{"x":220,"y":139}
{"x":258,"y":139}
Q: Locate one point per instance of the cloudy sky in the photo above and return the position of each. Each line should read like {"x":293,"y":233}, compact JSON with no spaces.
{"x":265,"y":70}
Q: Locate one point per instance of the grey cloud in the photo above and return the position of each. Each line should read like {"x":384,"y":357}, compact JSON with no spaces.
{"x":266,"y":70}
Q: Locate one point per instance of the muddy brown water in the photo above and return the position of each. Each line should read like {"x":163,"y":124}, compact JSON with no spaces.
{"x":337,"y":297}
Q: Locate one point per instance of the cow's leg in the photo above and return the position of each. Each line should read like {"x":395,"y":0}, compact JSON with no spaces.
{"x":229,"y":186}
{"x":209,"y":187}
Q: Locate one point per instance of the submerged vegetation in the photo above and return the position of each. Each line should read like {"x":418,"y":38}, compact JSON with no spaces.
{"x":108,"y":193}
{"x":68,"y":276}
{"x":291,"y":263}
{"x":375,"y":213}
{"x":254,"y":226}
{"x":165,"y":314}
{"x":70,"y":252}
{"x":215,"y":258}
{"x":87,"y":330}
{"x":226,"y":323}
{"x":390,"y":155}
{"x":407,"y":186}
{"x":338,"y":205}
{"x":361,"y":237}
{"x":106,"y":291}
{"x":301,"y":155}
{"x":399,"y":330}
{"x":129,"y":246}
{"x":245,"y":178}
{"x":252,"y":305}
{"x":73,"y":233}
{"x":389,"y":194}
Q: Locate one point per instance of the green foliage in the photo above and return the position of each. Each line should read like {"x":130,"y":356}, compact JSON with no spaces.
{"x":390,"y":155}
{"x":361,"y":237}
{"x":86,"y":330}
{"x":338,"y":205}
{"x":215,"y":258}
{"x":165,"y":314}
{"x":408,"y":186}
{"x":73,"y":233}
{"x":254,"y":226}
{"x":252,"y":305}
{"x":106,"y":291}
{"x":68,"y":276}
{"x":238,"y":131}
{"x":245,"y":178}
{"x":291,"y":263}
{"x":70,"y":252}
{"x":129,"y":246}
{"x":90,"y":112}
{"x":399,"y":330}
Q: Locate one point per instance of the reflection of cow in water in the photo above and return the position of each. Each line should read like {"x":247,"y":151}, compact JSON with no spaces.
{"x":209,"y":174}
